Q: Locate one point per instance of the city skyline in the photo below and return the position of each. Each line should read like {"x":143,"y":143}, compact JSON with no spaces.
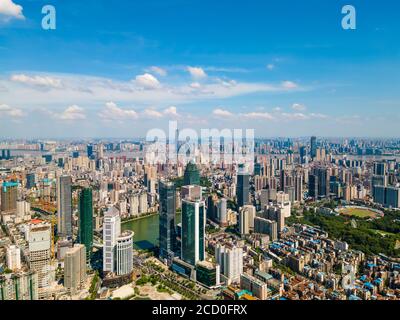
{"x":205,"y":65}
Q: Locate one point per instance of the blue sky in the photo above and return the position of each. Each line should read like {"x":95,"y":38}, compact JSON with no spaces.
{"x":120,"y":68}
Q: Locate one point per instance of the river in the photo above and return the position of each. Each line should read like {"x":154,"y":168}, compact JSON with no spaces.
{"x":146,"y":231}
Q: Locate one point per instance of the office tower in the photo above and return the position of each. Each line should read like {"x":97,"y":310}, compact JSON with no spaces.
{"x":30,"y":180}
{"x":379,"y":181}
{"x":323,"y":182}
{"x":64,"y":206}
{"x":230,"y":259}
{"x":75,"y":154}
{"x":266,"y":226}
{"x":243,"y":187}
{"x":380,"y":168}
{"x":313,"y":151}
{"x":167,"y":193}
{"x":222,"y":207}
{"x":13,"y":257}
{"x":100,"y":151}
{"x":246,"y":219}
{"x":192,"y":175}
{"x":193,"y":229}
{"x":111,"y":231}
{"x":388,"y":197}
{"x":392,"y":197}
{"x":124,"y":253}
{"x":3,"y":154}
{"x":75,"y":268}
{"x":211,"y":207}
{"x":9,"y":194}
{"x":90,"y":150}
{"x":19,"y":286}
{"x":254,"y":285}
{"x":86,"y":221}
{"x":303,"y":154}
{"x":40,"y":252}
{"x":313,"y":186}
{"x":298,"y":188}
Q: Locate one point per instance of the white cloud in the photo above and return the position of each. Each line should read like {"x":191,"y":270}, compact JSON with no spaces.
{"x":158,"y":70}
{"x":270,"y":66}
{"x":318,"y":115}
{"x":11,"y":112}
{"x":9,"y":10}
{"x":172,"y":112}
{"x":151,"y":113}
{"x":196,"y":72}
{"x":195,"y":85}
{"x":112,"y":112}
{"x":40,"y":81}
{"x":87,"y":90}
{"x":299,"y":107}
{"x":147,"y":81}
{"x":258,"y":115}
{"x":289,"y":85}
{"x":221,"y":113}
{"x":73,"y":112}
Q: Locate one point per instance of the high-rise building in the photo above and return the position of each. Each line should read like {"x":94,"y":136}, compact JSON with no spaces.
{"x":230,"y":259}
{"x":75,"y":268}
{"x":90,"y":150}
{"x":192,"y":175}
{"x":19,"y":286}
{"x":30,"y":180}
{"x":388,"y":197}
{"x":40,"y":252}
{"x":323,"y":182}
{"x":167,"y":192}
{"x":246,"y":219}
{"x":86,"y":221}
{"x":9,"y":195}
{"x":298,"y":188}
{"x":313,"y":186}
{"x":380,"y":168}
{"x":222,"y":208}
{"x":243,"y":187}
{"x":313,"y":151}
{"x":13,"y":257}
{"x":265,"y":226}
{"x":111,"y":231}
{"x":64,"y":206}
{"x":193,"y":229}
{"x":124,"y":253}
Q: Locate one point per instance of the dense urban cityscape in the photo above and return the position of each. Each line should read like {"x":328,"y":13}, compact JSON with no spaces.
{"x":315,"y":219}
{"x":184,"y":158}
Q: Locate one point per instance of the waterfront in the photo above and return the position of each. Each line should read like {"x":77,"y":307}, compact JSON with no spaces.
{"x":146,"y":230}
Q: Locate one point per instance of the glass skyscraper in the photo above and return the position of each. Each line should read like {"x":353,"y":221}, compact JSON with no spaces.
{"x":193,"y":230}
{"x":192,"y":175}
{"x":313,"y":151}
{"x":167,"y":219}
{"x":64,"y":206}
{"x":86,"y":220}
{"x":243,"y":187}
